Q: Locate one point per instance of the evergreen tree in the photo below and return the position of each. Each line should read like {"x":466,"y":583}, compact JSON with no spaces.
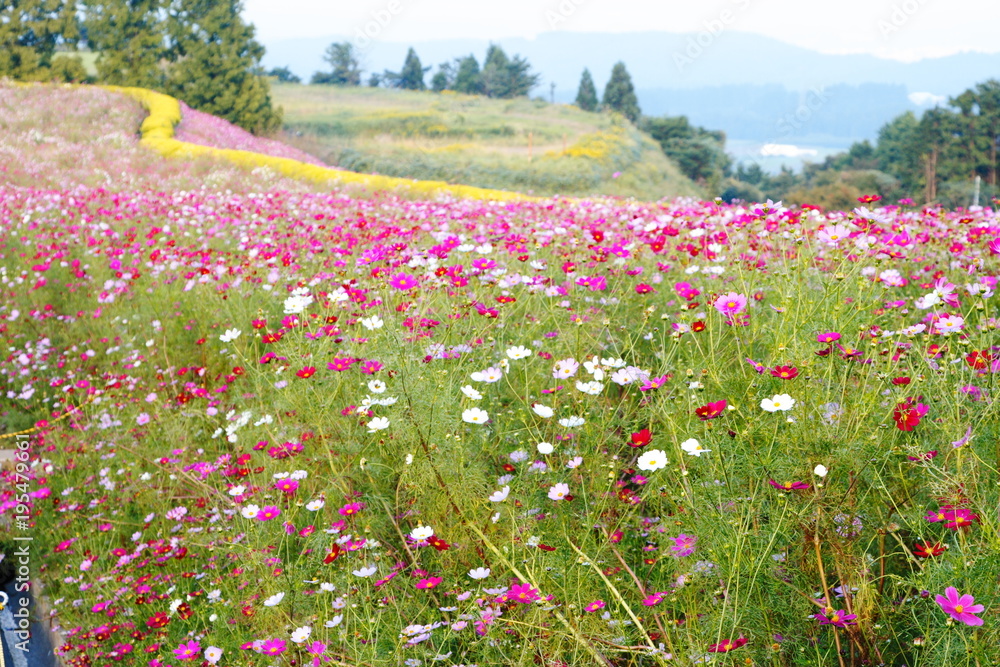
{"x":29,"y":33}
{"x":586,"y":96}
{"x":216,"y":64}
{"x":496,"y":72}
{"x":130,"y":36}
{"x":503,"y":77}
{"x":346,"y":68}
{"x":619,"y":94}
{"x":468,"y":78}
{"x":411,"y":77}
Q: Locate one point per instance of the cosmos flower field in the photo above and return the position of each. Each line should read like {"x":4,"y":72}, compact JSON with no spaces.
{"x":284,"y":426}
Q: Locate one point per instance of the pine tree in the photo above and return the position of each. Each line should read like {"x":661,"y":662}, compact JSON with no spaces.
{"x":131,"y":39}
{"x":586,"y":96}
{"x":504,"y":77}
{"x":619,"y":94}
{"x":411,"y":77}
{"x":468,"y":78}
{"x":496,"y":73}
{"x":29,"y":33}
{"x":216,"y":64}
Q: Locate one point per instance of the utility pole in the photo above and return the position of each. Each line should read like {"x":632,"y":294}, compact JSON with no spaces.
{"x":552,"y":92}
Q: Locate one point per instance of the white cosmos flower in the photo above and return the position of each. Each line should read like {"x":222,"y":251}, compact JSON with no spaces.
{"x":778,"y":402}
{"x":372,"y":323}
{"x":237,"y":490}
{"x":559,"y":491}
{"x":518,"y":352}
{"x":376,"y":386}
{"x":421,"y":533}
{"x":654,"y":459}
{"x":250,"y":511}
{"x":593,"y":388}
{"x":693,"y":447}
{"x":574,"y":462}
{"x":378,"y":424}
{"x":274,"y":600}
{"x":335,"y":621}
{"x":315,"y":505}
{"x":542,"y":411}
{"x":471,"y":392}
{"x":572,"y":422}
{"x":365,"y":571}
{"x":299,"y":635}
{"x":479,"y":573}
{"x":491,"y":374}
{"x":298,"y":301}
{"x":475,"y":416}
{"x":545,"y":448}
{"x":230,"y":335}
{"x":500,"y":496}
{"x":820,"y":470}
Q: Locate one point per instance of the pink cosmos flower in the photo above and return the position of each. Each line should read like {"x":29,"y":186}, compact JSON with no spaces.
{"x":960,"y":608}
{"x":273,"y":647}
{"x":268,"y":512}
{"x":683,"y":545}
{"x":403,"y":282}
{"x":828,"y":337}
{"x":594,"y":606}
{"x":430,"y":582}
{"x":730,"y":304}
{"x":192,"y":649}
{"x":839,"y":618}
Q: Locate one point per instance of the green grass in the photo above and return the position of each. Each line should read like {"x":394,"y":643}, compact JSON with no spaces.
{"x":525,"y":145}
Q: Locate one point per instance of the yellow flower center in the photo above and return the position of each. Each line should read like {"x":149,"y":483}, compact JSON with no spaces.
{"x":959,"y":608}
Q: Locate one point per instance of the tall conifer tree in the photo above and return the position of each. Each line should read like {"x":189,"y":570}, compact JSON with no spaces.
{"x":586,"y":95}
{"x":131,"y":39}
{"x":619,"y":94}
{"x":29,"y":33}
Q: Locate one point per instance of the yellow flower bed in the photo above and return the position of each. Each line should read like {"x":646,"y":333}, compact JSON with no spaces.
{"x":165,"y":112}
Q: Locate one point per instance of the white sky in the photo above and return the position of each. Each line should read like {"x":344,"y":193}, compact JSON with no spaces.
{"x":900,"y":29}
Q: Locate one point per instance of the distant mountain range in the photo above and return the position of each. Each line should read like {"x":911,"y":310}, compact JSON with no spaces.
{"x":752,"y":87}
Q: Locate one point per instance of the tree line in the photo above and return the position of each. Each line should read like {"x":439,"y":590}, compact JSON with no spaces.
{"x":200,"y":51}
{"x":935,"y":157}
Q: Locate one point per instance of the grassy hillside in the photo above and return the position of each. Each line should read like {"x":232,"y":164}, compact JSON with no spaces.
{"x":524,"y":145}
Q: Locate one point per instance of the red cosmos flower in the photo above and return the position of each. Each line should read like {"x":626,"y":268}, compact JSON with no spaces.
{"x":306,"y":372}
{"x":711,"y":410}
{"x":641,"y":438}
{"x":788,"y":486}
{"x":273,"y":337}
{"x":785,"y":372}
{"x":728,"y":645}
{"x":979,"y":360}
{"x":869,"y":199}
{"x":332,"y":554}
{"x":697,"y":326}
{"x":438,"y":543}
{"x":506,"y":299}
{"x":907,"y":415}
{"x":158,"y":620}
{"x":259,"y":323}
{"x":901,"y":381}
{"x":643,"y":288}
{"x":928,"y":550}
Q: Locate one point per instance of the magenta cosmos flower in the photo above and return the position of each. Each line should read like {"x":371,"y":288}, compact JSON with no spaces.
{"x":192,"y":649}
{"x":839,"y":618}
{"x":730,"y":304}
{"x":960,"y":608}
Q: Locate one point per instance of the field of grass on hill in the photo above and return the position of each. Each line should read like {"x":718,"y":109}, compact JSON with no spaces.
{"x":524,"y":145}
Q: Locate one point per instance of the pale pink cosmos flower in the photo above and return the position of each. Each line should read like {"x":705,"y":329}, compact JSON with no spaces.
{"x":730,"y":304}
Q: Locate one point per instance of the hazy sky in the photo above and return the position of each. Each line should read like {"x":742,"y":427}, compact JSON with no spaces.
{"x":900,"y":29}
